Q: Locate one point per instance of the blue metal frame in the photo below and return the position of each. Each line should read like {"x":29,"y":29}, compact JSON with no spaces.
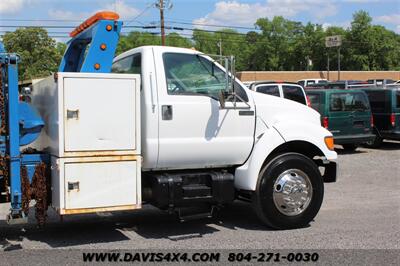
{"x":13,"y":138}
{"x":24,"y":126}
{"x":77,"y":59}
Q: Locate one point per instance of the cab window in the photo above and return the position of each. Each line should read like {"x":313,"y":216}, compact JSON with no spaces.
{"x":128,"y":65}
{"x":268,"y":89}
{"x":294,"y":93}
{"x":191,"y":74}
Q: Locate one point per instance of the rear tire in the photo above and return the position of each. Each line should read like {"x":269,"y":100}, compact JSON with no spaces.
{"x":376,"y":143}
{"x":287,"y":211}
{"x":349,"y":147}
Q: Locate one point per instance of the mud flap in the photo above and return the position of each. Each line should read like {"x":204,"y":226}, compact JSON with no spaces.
{"x":330,"y":173}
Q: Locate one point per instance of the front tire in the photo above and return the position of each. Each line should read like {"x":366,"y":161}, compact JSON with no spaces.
{"x":289,"y":192}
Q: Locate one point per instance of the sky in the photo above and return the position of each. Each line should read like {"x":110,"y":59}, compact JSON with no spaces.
{"x":194,"y":13}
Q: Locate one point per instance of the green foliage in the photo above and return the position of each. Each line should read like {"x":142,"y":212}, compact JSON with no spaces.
{"x":39,"y":54}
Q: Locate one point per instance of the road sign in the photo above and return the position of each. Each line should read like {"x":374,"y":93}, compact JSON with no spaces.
{"x":333,"y":41}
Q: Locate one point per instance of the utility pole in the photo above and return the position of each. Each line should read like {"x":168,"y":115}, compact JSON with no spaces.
{"x":334,"y":41}
{"x":328,"y":65}
{"x":161,"y":4}
{"x":220,"y":47}
{"x":338,"y":63}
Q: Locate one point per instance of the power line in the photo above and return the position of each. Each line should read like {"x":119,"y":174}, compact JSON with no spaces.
{"x":127,"y":22}
{"x":61,"y":26}
{"x":37,"y":20}
{"x":212,"y":25}
{"x":140,"y":14}
{"x":131,"y":26}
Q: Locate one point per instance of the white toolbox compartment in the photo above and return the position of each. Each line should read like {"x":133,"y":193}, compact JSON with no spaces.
{"x":89,"y":114}
{"x":96,"y":184}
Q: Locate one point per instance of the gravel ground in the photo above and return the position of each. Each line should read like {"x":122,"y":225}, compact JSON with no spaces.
{"x":360,"y":211}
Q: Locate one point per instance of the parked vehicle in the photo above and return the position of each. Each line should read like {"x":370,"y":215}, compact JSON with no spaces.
{"x":346,"y":114}
{"x":170,"y":127}
{"x":247,"y":83}
{"x":311,"y":82}
{"x":287,"y":90}
{"x":381,"y":82}
{"x":342,"y":84}
{"x":385,"y":106}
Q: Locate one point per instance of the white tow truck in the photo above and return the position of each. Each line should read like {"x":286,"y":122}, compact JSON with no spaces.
{"x":173,"y":128}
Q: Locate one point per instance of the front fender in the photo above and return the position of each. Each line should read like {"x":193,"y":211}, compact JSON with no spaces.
{"x":267,"y":139}
{"x":308,"y":132}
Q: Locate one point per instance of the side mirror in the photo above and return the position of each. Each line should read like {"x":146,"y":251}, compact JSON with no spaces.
{"x":221,"y":97}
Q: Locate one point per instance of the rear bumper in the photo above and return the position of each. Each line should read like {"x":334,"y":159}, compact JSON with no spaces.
{"x":354,"y":139}
{"x":390,"y":134}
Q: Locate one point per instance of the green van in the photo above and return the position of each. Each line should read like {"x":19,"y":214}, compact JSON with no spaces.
{"x":345,"y":113}
{"x":385,"y":105}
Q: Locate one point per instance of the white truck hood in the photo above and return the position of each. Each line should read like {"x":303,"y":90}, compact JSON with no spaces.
{"x":273,"y":110}
{"x":292,"y":120}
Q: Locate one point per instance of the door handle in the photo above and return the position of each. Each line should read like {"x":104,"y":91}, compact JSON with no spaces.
{"x":153,"y":102}
{"x":166,"y":112}
{"x":73,"y":114}
{"x":73,"y":186}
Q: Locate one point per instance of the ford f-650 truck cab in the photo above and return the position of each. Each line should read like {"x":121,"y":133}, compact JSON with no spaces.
{"x":173,"y":128}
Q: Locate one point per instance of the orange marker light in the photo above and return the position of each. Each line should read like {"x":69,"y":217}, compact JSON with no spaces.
{"x":103,"y":46}
{"x":108,"y":27}
{"x":329,"y":143}
{"x":104,"y":15}
{"x":97,"y":66}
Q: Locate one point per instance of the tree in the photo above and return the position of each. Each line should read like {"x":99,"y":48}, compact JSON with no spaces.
{"x":135,"y":39}
{"x":39,"y":55}
{"x":279,"y":37}
{"x":174,"y":39}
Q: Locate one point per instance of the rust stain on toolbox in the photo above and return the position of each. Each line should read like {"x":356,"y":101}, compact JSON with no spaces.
{"x":101,"y":158}
{"x":100,"y":209}
{"x":100,"y":153}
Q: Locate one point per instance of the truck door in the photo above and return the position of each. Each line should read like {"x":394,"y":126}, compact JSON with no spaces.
{"x":194,"y":132}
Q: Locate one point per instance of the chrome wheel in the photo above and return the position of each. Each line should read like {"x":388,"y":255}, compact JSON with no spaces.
{"x":292,"y":192}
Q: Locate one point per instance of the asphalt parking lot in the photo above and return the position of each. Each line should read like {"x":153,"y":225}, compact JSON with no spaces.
{"x":360,"y":211}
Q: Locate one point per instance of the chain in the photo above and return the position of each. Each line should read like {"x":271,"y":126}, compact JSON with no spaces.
{"x":4,"y":173}
{"x":40,"y":190}
{"x":3,"y":130}
{"x":3,"y":127}
{"x":26,"y":190}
